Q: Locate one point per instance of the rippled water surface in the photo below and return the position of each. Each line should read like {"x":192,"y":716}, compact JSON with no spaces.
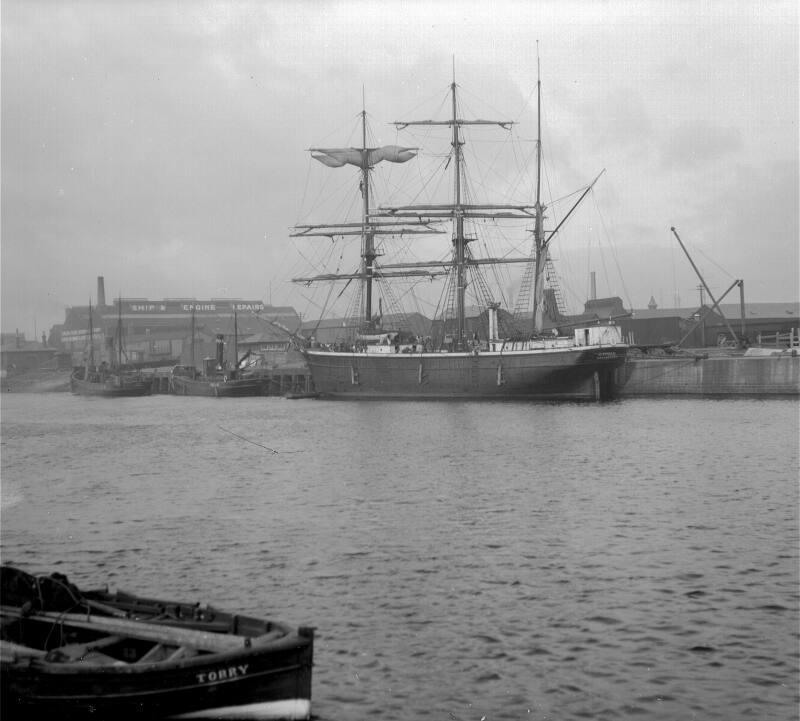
{"x":636,"y":560}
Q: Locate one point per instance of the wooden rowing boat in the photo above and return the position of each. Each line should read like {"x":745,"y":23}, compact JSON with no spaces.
{"x":71,"y":654}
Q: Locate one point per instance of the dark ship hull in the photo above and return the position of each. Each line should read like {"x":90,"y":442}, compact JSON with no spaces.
{"x":217,"y":388}
{"x":568,"y":374}
{"x":110,"y":387}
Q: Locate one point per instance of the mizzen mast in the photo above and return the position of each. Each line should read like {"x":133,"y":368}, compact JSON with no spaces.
{"x":538,"y":232}
{"x":541,"y":239}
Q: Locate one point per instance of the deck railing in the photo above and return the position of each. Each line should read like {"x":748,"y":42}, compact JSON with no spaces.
{"x":790,"y":339}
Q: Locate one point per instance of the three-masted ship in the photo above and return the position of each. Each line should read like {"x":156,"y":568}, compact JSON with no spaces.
{"x":499,"y":356}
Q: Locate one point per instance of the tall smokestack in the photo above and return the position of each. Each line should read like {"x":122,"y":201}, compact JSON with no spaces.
{"x":101,"y":291}
{"x":220,"y":351}
{"x":593,"y":292}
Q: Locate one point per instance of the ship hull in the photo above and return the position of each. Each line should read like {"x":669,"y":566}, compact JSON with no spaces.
{"x":111,"y":387}
{"x":231,"y":388}
{"x":586,"y":373}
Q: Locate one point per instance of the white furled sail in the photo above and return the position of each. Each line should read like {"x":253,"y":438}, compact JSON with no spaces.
{"x":366,"y":158}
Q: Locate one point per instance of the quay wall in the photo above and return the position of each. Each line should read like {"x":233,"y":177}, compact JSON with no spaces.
{"x":760,"y":376}
{"x":774,"y":375}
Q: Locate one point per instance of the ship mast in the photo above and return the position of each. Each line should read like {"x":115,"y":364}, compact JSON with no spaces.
{"x":367,"y":234}
{"x":91,"y":343}
{"x":119,"y":332}
{"x":459,"y":241}
{"x":538,"y":233}
{"x":192,"y":343}
{"x":458,"y":210}
{"x":235,"y":340}
{"x":541,"y":240}
{"x":365,"y":158}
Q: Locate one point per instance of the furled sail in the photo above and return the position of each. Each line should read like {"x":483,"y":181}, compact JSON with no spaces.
{"x":337,"y":157}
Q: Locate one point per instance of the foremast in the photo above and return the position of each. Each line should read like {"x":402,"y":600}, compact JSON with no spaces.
{"x":367,"y":232}
{"x":365,"y":158}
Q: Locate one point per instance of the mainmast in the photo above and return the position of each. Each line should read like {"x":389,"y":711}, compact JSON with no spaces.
{"x":458,"y":211}
{"x":459,"y":241}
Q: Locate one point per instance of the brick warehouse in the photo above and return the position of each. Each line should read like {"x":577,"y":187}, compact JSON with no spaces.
{"x":159,"y":332}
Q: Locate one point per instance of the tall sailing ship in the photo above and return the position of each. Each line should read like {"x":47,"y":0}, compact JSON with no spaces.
{"x":502,"y":355}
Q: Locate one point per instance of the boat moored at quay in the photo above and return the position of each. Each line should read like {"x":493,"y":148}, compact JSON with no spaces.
{"x":219,"y":378}
{"x":108,"y":380}
{"x":534,"y":353}
{"x":576,"y":368}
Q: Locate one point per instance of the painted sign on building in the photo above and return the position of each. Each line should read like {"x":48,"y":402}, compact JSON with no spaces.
{"x":187,"y":306}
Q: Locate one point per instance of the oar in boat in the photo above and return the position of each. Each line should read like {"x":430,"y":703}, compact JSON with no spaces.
{"x":201,"y":640}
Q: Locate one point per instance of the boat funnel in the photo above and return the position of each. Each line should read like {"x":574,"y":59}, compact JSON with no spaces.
{"x":493,"y":324}
{"x":220,"y":350}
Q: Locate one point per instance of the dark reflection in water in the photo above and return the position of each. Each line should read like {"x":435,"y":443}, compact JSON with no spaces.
{"x":459,"y":560}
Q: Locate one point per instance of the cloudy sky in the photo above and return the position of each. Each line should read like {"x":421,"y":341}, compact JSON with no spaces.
{"x":163,"y":144}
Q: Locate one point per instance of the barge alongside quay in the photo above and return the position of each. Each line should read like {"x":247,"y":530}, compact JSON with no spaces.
{"x":106,"y":380}
{"x":218,"y":379}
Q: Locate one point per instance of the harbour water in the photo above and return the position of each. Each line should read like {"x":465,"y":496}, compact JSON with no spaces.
{"x":467,"y":561}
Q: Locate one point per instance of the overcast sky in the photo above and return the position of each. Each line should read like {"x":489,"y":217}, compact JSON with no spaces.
{"x":164,"y":144}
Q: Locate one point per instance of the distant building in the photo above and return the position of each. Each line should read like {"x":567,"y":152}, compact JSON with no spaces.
{"x":18,"y":355}
{"x":159,"y":332}
{"x":703,"y":328}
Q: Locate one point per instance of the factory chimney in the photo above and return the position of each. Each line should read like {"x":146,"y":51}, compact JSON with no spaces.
{"x":101,"y":291}
{"x":593,"y":292}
